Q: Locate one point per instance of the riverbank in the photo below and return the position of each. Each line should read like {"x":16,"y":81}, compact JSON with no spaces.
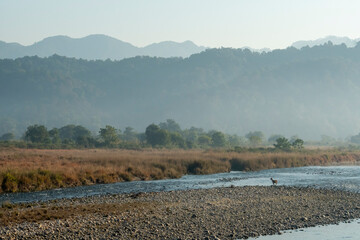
{"x":219,"y":213}
{"x":27,"y":170}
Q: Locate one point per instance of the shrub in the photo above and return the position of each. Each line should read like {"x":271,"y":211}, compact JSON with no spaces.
{"x":195,"y":167}
{"x":9,"y":183}
{"x":238,"y":164}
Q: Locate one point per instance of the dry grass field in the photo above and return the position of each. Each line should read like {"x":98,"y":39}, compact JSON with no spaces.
{"x":40,"y":169}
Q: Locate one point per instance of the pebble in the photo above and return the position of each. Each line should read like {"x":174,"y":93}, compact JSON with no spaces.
{"x":219,"y":213}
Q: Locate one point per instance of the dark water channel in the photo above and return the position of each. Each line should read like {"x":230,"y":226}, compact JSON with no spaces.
{"x":334,"y":177}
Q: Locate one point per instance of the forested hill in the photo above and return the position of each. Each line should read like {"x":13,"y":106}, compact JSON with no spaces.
{"x":308,"y":92}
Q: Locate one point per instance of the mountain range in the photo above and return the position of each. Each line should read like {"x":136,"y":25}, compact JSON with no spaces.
{"x":308,"y":92}
{"x":102,"y":47}
{"x":333,"y":39}
{"x":97,"y":46}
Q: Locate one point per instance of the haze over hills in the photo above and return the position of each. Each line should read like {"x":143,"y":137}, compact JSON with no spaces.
{"x":334,"y":39}
{"x":95,"y":47}
{"x":308,"y":92}
{"x":102,"y":47}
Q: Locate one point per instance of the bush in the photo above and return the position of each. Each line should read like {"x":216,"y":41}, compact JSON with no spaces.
{"x":238,"y":165}
{"x":9,"y":183}
{"x":195,"y":167}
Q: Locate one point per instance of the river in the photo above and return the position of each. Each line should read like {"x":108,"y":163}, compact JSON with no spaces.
{"x":332,"y":177}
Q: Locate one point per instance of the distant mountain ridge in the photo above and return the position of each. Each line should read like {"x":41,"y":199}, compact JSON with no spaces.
{"x":102,"y":47}
{"x":308,"y":92}
{"x":97,"y":46}
{"x":334,"y":39}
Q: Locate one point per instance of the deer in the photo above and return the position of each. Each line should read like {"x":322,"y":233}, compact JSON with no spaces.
{"x":274,"y":181}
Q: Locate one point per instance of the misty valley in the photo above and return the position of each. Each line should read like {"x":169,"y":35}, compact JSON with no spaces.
{"x":260,"y":141}
{"x":308,"y":92}
{"x":206,"y":119}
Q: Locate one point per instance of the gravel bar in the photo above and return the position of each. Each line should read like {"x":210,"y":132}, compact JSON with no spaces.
{"x":218,"y":213}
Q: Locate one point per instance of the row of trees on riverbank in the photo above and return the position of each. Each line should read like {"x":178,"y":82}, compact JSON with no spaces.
{"x":166,"y":134}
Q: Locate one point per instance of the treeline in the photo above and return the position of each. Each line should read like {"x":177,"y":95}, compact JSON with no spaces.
{"x":310,"y":91}
{"x":166,"y":134}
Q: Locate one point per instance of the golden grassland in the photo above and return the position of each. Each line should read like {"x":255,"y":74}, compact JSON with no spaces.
{"x":39,"y":169}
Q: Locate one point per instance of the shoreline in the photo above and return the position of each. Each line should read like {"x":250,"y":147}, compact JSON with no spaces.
{"x":218,"y":213}
{"x":31,"y":170}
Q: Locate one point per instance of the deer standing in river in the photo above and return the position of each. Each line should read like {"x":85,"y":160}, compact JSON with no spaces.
{"x":273,"y":181}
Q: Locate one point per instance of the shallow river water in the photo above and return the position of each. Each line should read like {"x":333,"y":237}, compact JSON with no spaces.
{"x":338,"y":177}
{"x":332,"y":177}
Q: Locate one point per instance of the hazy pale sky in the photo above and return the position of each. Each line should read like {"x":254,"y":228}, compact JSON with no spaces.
{"x":211,"y":23}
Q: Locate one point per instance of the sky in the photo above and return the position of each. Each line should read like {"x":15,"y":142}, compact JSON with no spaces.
{"x":211,"y":23}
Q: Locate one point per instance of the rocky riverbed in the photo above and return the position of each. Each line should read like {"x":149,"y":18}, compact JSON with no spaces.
{"x":218,"y":213}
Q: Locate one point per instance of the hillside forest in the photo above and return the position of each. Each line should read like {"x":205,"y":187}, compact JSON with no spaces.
{"x":307,"y":92}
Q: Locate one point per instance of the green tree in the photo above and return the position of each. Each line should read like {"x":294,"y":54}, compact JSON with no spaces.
{"x":37,"y":134}
{"x":235,"y":140}
{"x":109,"y":135}
{"x":293,"y":138}
{"x":298,"y":144}
{"x":283,"y":144}
{"x":177,"y":140}
{"x":218,"y":139}
{"x":156,"y":136}
{"x":170,"y":125}
{"x":86,"y":141}
{"x":73,"y":132}
{"x":355,"y":139}
{"x":54,"y":136}
{"x":255,"y":138}
{"x":81,"y":131}
{"x":204,"y":140}
{"x":129,"y":135}
{"x":7,"y":137}
{"x":141,"y":137}
{"x":191,"y":135}
{"x":67,"y":132}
